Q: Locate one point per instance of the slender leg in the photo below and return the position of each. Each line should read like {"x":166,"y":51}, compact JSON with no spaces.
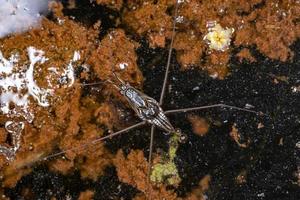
{"x":96,"y":140}
{"x":169,"y":57}
{"x":149,"y":196}
{"x":211,"y":106}
{"x":150,"y":162}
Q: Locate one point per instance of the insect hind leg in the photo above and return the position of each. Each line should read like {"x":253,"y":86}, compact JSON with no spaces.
{"x":183,"y":110}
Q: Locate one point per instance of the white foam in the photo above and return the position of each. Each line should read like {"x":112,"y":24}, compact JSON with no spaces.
{"x":13,"y":83}
{"x":17,"y":85}
{"x":20,"y":15}
{"x":68,"y":76}
{"x":34,"y":90}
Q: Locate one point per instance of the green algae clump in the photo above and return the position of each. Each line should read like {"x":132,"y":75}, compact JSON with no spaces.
{"x":166,"y":170}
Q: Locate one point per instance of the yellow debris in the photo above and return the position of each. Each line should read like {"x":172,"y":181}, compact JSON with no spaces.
{"x":218,"y":38}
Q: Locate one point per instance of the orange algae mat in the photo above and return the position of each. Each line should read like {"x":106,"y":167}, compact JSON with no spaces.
{"x":74,"y":119}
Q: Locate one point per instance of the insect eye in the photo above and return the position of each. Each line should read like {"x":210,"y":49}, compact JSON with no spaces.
{"x":123,"y":87}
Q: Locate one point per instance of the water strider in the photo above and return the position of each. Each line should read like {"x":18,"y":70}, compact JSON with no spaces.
{"x":146,"y":108}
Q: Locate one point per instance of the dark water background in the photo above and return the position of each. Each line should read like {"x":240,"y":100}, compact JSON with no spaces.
{"x":270,"y":167}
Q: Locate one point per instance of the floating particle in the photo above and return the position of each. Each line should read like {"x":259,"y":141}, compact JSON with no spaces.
{"x":295,"y":89}
{"x":179,"y":19}
{"x":123,"y":65}
{"x":15,"y":129}
{"x":217,"y":37}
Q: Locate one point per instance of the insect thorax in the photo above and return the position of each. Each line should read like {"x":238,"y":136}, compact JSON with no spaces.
{"x":146,"y":107}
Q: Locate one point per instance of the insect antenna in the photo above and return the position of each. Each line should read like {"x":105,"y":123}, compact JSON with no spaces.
{"x":99,"y":83}
{"x":118,"y":78}
{"x":149,"y":196}
{"x":92,"y":84}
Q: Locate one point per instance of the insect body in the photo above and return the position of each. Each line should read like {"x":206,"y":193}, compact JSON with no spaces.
{"x":146,"y":108}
